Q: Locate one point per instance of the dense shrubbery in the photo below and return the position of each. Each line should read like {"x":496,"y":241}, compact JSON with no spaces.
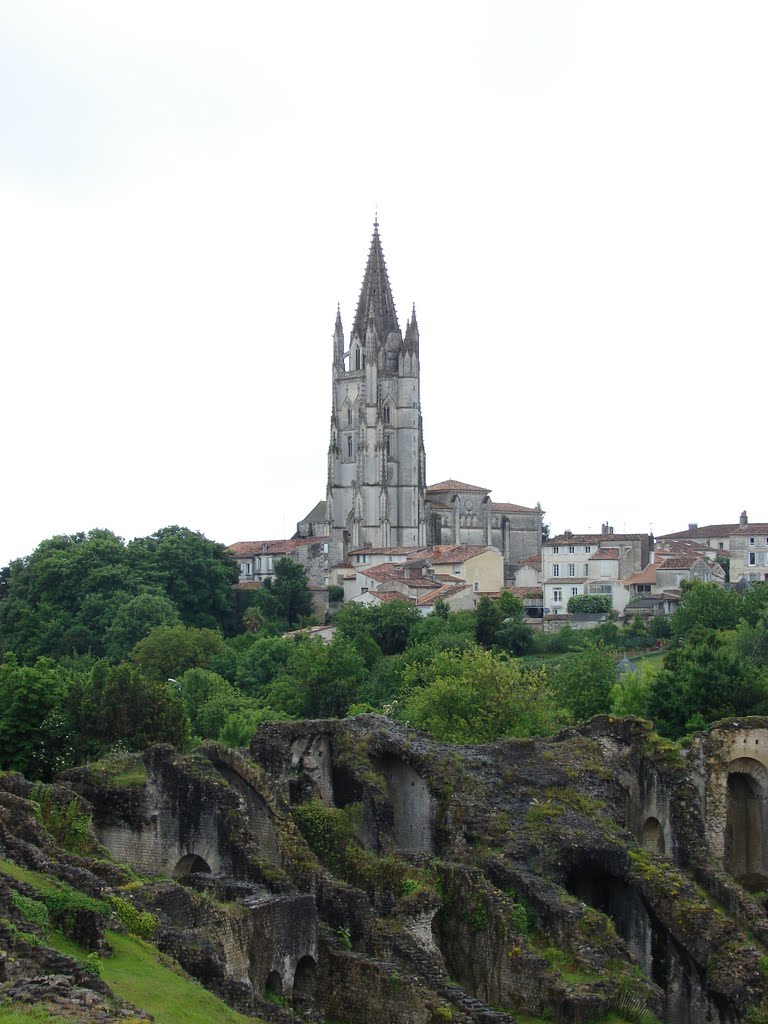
{"x":465,"y":676}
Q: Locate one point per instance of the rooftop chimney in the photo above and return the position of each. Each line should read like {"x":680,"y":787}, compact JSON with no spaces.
{"x":693,"y":526}
{"x":606,"y":529}
{"x":743,"y":519}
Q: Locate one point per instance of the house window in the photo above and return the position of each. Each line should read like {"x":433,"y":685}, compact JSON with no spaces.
{"x":557,"y":595}
{"x":721,"y":545}
{"x":363,"y":590}
{"x":571,"y":570}
{"x":588,"y":549}
{"x":386,"y":414}
{"x":586,"y":571}
{"x":349,"y":446}
{"x":556,"y":549}
{"x":751,"y":540}
{"x":476,"y":586}
{"x":571,"y":549}
{"x":269,"y":565}
{"x":555,"y":570}
{"x":752,"y":558}
{"x":605,"y":568}
{"x":574,"y":591}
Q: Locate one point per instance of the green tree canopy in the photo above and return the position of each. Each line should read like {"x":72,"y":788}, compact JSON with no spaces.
{"x":583,"y":681}
{"x":476,"y":696}
{"x":168,"y":651}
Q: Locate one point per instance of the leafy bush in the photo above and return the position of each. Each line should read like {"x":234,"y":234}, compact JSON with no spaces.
{"x":33,"y":911}
{"x":67,"y":823}
{"x":137,"y":922}
{"x":590,"y":604}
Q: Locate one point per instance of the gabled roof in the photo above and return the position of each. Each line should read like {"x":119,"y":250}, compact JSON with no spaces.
{"x":646,"y":575}
{"x":605,"y":554}
{"x":455,"y":485}
{"x":533,"y":560}
{"x":750,"y":529}
{"x":376,"y":303}
{"x":441,"y":592}
{"x":459,"y":553}
{"x":679,"y":562}
{"x":249,"y":548}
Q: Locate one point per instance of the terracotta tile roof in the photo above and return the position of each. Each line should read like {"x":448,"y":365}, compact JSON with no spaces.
{"x":646,"y":575}
{"x":441,"y":592}
{"x":392,"y":595}
{"x":751,"y":529}
{"x":385,"y":571}
{"x":387,"y":551}
{"x":506,"y":506}
{"x":718,"y":530}
{"x":532,"y":560}
{"x":522,"y":592}
{"x":249,"y":548}
{"x":593,"y":538}
{"x":249,"y":585}
{"x":680,"y":562}
{"x":459,"y":553}
{"x":415,"y":583}
{"x":566,"y":580}
{"x":605,"y":554}
{"x":455,"y":485}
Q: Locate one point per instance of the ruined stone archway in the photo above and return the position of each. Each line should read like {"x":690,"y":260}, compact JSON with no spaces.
{"x":190,"y":864}
{"x":411,"y":803}
{"x":745,"y":829}
{"x":653,"y":836}
{"x":305,"y":982}
{"x":273,"y":986}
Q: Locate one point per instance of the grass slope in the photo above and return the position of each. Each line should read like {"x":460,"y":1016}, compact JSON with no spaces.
{"x":136,"y":972}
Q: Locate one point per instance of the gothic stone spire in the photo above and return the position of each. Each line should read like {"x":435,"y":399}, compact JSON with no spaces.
{"x":376,"y":303}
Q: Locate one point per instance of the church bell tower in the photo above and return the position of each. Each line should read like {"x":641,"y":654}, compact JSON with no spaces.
{"x":376,"y":463}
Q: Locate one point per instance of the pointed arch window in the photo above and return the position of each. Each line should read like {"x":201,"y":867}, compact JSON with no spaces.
{"x":349,"y":446}
{"x":349,"y":416}
{"x":357,"y":358}
{"x":387,"y":445}
{"x":387,"y":413}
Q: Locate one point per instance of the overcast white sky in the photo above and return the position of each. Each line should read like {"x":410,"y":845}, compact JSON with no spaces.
{"x":573,"y":193}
